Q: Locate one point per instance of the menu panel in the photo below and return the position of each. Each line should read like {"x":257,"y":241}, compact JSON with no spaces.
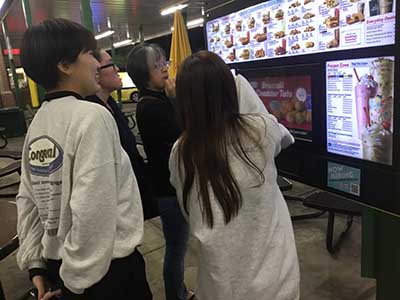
{"x":280,"y":28}
{"x":360,"y":96}
{"x":289,"y":99}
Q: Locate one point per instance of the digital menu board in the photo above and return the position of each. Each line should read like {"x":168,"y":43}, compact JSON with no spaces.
{"x":280,"y":28}
{"x":289,"y":99}
{"x":359,"y":106}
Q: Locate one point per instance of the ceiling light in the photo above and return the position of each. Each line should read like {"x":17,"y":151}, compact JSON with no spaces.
{"x":122,"y":43}
{"x":104,"y":34}
{"x":172,"y":9}
{"x":195,"y":22}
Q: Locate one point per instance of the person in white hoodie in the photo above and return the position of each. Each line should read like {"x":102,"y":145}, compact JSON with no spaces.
{"x":79,"y":211}
{"x":224,"y":173}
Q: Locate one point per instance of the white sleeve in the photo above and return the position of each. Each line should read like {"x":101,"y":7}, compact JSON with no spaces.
{"x":249,"y":101}
{"x":281,"y":137}
{"x":88,"y":246}
{"x":30,"y":229}
{"x":173,"y":166}
{"x":175,"y":176}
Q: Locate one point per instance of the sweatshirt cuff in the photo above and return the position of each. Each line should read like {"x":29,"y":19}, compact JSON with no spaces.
{"x":37,"y":264}
{"x":37,"y":272}
{"x":70,"y":293}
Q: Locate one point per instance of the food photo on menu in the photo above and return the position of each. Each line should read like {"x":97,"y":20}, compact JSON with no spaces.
{"x":261,"y":37}
{"x":279,"y":15}
{"x":288,"y":98}
{"x":266,"y":18}
{"x":360,"y":100}
{"x":333,"y":21}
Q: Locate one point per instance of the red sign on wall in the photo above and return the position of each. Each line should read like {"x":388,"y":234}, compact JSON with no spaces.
{"x":13,"y":51}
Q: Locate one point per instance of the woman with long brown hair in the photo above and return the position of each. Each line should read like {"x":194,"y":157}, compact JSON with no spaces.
{"x":223,"y":170}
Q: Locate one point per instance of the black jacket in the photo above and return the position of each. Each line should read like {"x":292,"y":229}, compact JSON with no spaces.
{"x":158,"y":127}
{"x":128,"y":142}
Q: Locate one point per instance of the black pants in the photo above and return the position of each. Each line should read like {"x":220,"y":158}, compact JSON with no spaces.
{"x":125,"y":280}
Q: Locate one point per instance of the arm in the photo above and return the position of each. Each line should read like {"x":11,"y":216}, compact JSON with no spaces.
{"x":279,"y":133}
{"x":173,"y":167}
{"x":29,"y":228}
{"x":249,"y":101}
{"x":175,"y":177}
{"x":89,"y":244}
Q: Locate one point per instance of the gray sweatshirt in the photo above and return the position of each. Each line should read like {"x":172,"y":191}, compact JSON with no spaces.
{"x":254,"y":256}
{"x":78,"y":199}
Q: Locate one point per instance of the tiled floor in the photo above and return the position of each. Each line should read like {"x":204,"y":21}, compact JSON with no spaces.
{"x":323,"y":277}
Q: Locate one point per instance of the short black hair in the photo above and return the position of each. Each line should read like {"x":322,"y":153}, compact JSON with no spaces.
{"x":97,"y":54}
{"x":51,"y":42}
{"x":139,"y":60}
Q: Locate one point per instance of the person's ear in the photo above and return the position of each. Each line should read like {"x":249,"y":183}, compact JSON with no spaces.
{"x":65,"y":68}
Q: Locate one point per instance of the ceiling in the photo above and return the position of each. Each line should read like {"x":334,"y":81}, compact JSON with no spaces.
{"x":123,"y":15}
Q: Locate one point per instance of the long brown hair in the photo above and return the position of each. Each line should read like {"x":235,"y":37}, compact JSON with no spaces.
{"x":208,"y":110}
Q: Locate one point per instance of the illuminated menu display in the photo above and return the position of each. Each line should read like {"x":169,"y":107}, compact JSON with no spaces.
{"x":289,"y":99}
{"x":280,"y":28}
{"x":359,"y":106}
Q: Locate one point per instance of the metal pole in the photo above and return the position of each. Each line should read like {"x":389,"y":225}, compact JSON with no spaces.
{"x":12,"y":66}
{"x":26,"y":7}
{"x":141,"y":35}
{"x":87,"y":15}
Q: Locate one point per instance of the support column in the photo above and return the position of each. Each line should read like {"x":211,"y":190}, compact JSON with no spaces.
{"x":12,"y":66}
{"x":87,"y":15}
{"x":141,"y":34}
{"x":381,"y":251}
{"x":37,"y":91}
{"x":7,"y":96}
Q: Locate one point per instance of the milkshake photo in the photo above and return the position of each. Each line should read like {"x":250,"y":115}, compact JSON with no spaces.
{"x":374,"y":107}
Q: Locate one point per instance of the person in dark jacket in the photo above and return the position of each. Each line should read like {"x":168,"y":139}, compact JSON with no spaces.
{"x":110,"y":81}
{"x":158,"y":127}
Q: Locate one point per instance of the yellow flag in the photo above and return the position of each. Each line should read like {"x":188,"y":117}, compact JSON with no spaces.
{"x":180,"y":46}
{"x":34,"y":93}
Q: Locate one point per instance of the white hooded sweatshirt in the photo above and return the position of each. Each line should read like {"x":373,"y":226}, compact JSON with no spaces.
{"x":254,"y":256}
{"x":78,"y":199}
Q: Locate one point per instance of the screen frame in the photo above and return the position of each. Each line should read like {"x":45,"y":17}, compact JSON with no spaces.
{"x":311,"y":70}
{"x":379,"y":183}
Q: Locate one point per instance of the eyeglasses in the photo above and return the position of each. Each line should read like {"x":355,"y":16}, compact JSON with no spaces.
{"x":161,"y":64}
{"x":108,"y":65}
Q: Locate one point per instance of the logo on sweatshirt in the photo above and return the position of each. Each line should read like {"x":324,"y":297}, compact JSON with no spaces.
{"x":45,"y":156}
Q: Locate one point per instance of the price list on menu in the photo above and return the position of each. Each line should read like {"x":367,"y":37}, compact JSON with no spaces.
{"x":339,"y":103}
{"x":278,"y":28}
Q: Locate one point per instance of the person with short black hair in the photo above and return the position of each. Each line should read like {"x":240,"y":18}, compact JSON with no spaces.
{"x":110,"y":81}
{"x":80,"y":217}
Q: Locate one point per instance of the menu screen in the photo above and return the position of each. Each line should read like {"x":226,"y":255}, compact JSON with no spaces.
{"x":279,"y":28}
{"x":360,"y":96}
{"x":288,"y":98}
